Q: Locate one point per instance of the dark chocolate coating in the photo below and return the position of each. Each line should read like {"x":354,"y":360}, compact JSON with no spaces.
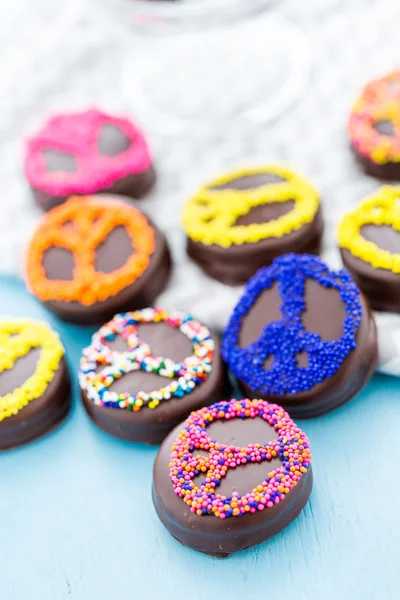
{"x":111,"y":142}
{"x":389,"y":171}
{"x":152,"y":425}
{"x":236,"y":264}
{"x":133,"y":186}
{"x":324,"y":315}
{"x":381,"y":287}
{"x":222,"y":537}
{"x":111,"y":255}
{"x":248,"y":182}
{"x":41,"y":415}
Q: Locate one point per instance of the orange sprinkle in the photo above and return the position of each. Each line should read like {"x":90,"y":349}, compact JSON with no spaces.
{"x":81,"y":225}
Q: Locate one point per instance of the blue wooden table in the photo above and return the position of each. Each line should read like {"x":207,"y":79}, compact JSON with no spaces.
{"x":77,"y":519}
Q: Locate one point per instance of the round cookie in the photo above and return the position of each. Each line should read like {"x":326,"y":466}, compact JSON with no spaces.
{"x":231,"y":476}
{"x":147,"y":370}
{"x":244,"y":219}
{"x":302,"y":335}
{"x":34,"y":382}
{"x":88,"y":260}
{"x":87,"y":153}
{"x":374,"y":127}
{"x":369,"y":240}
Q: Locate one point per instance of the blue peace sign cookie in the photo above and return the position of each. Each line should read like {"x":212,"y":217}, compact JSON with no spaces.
{"x":290,"y":357}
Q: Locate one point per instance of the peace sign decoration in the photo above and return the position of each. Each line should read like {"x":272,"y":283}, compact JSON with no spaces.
{"x":379,"y":209}
{"x":88,"y":260}
{"x":369,"y":240}
{"x":211,"y":216}
{"x":291,"y":446}
{"x":181,"y":377}
{"x":85,"y":153}
{"x":222,"y":497}
{"x":243,"y":220}
{"x":374,"y":127}
{"x":17,"y":338}
{"x":283,"y":340}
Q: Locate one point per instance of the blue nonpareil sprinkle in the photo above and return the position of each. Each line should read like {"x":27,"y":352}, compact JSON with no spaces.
{"x":284,"y":340}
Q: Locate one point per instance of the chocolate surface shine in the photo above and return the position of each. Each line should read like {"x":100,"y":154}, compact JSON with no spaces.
{"x":152,"y":425}
{"x":381,"y":286}
{"x":40,"y":415}
{"x":324,"y":315}
{"x":207,"y":533}
{"x":248,"y":182}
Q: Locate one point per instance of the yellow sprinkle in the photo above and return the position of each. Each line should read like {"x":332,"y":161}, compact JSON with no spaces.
{"x":379,"y":209}
{"x":210,"y":216}
{"x":17,"y":338}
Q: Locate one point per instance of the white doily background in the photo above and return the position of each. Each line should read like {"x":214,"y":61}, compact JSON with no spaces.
{"x":57,"y":56}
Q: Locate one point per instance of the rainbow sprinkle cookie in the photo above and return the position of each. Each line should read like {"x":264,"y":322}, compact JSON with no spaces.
{"x":273,"y":473}
{"x":186,"y":375}
{"x":369,"y":240}
{"x":291,"y":446}
{"x":374,"y":127}
{"x":32,"y":405}
{"x":244,"y":219}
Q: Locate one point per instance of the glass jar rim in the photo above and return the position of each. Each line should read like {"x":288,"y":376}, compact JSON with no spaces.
{"x":151,"y":15}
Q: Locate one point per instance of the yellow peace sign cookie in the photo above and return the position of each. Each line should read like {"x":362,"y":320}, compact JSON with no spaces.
{"x":380,"y":209}
{"x":254,"y":215}
{"x":369,"y":240}
{"x":34,"y":381}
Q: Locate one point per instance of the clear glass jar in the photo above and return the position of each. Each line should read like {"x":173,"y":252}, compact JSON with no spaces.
{"x":206,"y":64}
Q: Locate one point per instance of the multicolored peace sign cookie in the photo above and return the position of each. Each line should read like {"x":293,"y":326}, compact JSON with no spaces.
{"x":89,"y":259}
{"x":244,"y":219}
{"x":231,"y":476}
{"x":369,"y":240}
{"x":302,"y":334}
{"x":374,"y":127}
{"x":87,"y":153}
{"x":34,"y":382}
{"x":146,"y":370}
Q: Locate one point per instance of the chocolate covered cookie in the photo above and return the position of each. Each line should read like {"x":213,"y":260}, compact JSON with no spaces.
{"x":34,"y":382}
{"x":87,"y":260}
{"x":374,"y":127}
{"x":243,"y":220}
{"x":302,"y":335}
{"x":369,"y":240}
{"x":231,"y":476}
{"x":87,"y":153}
{"x":147,"y":370}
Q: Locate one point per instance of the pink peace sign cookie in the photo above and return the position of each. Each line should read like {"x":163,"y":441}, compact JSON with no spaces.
{"x":86,"y":153}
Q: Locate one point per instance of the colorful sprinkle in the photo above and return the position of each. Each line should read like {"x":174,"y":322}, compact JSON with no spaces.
{"x":379,"y":101}
{"x":78,"y":135}
{"x":378,"y":209}
{"x":210,"y":216}
{"x":181,"y":377}
{"x":81,"y":227}
{"x":285,"y":339}
{"x":291,"y":446}
{"x":17,"y":338}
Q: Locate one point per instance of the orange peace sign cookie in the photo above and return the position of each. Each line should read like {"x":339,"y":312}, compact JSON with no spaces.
{"x":87,"y":254}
